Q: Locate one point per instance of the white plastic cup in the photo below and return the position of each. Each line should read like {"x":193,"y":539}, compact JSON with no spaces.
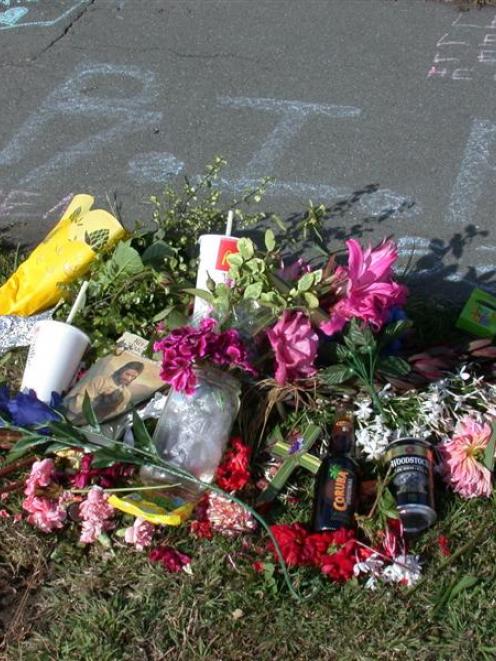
{"x":214,"y":249}
{"x":54,"y":355}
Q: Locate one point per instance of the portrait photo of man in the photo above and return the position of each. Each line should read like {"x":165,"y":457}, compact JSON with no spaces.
{"x":113,"y":384}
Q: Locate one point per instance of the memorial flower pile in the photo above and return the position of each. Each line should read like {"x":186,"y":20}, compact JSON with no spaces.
{"x":304,"y":341}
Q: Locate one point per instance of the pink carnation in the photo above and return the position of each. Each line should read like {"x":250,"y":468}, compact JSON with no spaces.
{"x":44,"y":513}
{"x":295,"y":345}
{"x":95,"y":513}
{"x":368,"y":292}
{"x":461,"y":459}
{"x":227,"y":517}
{"x":41,"y":475}
{"x":140,"y":533}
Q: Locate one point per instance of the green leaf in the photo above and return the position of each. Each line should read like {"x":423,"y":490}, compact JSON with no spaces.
{"x":235,"y":259}
{"x":245,"y":248}
{"x":89,"y":413}
{"x":253,"y":291}
{"x":162,"y":314}
{"x":394,"y":366}
{"x":176,"y":318}
{"x":270,"y":240}
{"x":305,"y":282}
{"x":142,"y":438}
{"x":256,"y":265}
{"x":488,"y":460}
{"x":125,"y":261}
{"x":355,"y":334}
{"x":201,"y":293}
{"x":342,"y":352}
{"x":337,"y":374}
{"x":317,"y":276}
{"x":156,"y":254}
{"x":272,"y":299}
{"x":311,"y":300}
{"x":25,"y":445}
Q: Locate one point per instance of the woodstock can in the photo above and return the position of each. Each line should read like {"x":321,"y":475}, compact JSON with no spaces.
{"x":411,"y":464}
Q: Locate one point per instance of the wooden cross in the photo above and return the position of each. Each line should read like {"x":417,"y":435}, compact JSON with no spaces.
{"x":295,"y":455}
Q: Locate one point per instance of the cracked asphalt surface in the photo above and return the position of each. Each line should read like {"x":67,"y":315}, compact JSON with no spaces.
{"x":386,"y":108}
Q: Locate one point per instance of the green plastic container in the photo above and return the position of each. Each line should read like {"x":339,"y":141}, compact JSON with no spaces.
{"x":479,"y":314}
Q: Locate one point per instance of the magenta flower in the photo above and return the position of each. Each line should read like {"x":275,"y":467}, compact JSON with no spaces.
{"x":295,"y":345}
{"x":461,"y":455}
{"x":368,"y":291}
{"x":95,"y":513}
{"x":140,"y":533}
{"x":184,"y":348}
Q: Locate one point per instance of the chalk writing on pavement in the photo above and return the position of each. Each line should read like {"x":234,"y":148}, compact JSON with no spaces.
{"x":467,"y":51}
{"x":16,"y":14}
{"x":122,"y":100}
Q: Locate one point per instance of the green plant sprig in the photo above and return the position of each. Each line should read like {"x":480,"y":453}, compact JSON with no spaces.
{"x":361,"y":356}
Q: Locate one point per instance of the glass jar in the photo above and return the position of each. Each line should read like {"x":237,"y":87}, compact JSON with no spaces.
{"x":193,"y":431}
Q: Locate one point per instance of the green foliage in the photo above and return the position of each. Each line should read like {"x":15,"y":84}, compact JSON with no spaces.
{"x":361,"y":356}
{"x":151,"y":276}
{"x":255,"y":277}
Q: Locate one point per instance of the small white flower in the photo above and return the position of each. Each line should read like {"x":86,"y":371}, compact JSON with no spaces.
{"x":405,"y":569}
{"x":363,"y":410}
{"x":372,"y":565}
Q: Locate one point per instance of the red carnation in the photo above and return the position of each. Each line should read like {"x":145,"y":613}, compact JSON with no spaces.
{"x":169,"y":558}
{"x":201,"y":529}
{"x":291,"y":540}
{"x":319,"y":545}
{"x":233,"y":474}
{"x":338,"y":566}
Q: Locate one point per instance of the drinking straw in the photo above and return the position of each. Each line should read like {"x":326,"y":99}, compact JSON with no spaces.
{"x":229,"y":223}
{"x":78,"y":303}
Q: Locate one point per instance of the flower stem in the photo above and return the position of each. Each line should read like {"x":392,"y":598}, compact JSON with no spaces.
{"x":128,"y":489}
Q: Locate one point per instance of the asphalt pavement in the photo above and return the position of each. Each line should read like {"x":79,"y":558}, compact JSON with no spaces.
{"x":384,"y":110}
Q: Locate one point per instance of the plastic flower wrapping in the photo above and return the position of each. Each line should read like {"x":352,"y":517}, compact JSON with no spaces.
{"x":304,"y":378}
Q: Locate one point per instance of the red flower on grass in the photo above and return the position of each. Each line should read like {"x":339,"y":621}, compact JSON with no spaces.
{"x":443,"y":542}
{"x":170,"y":559}
{"x":334,"y":553}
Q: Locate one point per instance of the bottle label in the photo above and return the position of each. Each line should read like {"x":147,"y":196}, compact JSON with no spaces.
{"x":340,"y":496}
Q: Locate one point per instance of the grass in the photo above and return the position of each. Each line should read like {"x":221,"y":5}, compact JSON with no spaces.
{"x":62,"y":601}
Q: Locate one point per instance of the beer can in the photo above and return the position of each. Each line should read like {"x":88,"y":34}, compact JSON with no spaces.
{"x":411,"y":462}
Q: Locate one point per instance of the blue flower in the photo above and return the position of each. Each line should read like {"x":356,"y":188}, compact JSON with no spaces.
{"x":27,"y":410}
{"x":4,"y":398}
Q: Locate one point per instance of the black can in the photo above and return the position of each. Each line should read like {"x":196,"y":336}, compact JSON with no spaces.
{"x":336,"y":486}
{"x":411,"y":462}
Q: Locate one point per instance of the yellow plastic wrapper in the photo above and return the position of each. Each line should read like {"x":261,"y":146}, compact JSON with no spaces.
{"x":137,"y":506}
{"x":64,"y":254}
